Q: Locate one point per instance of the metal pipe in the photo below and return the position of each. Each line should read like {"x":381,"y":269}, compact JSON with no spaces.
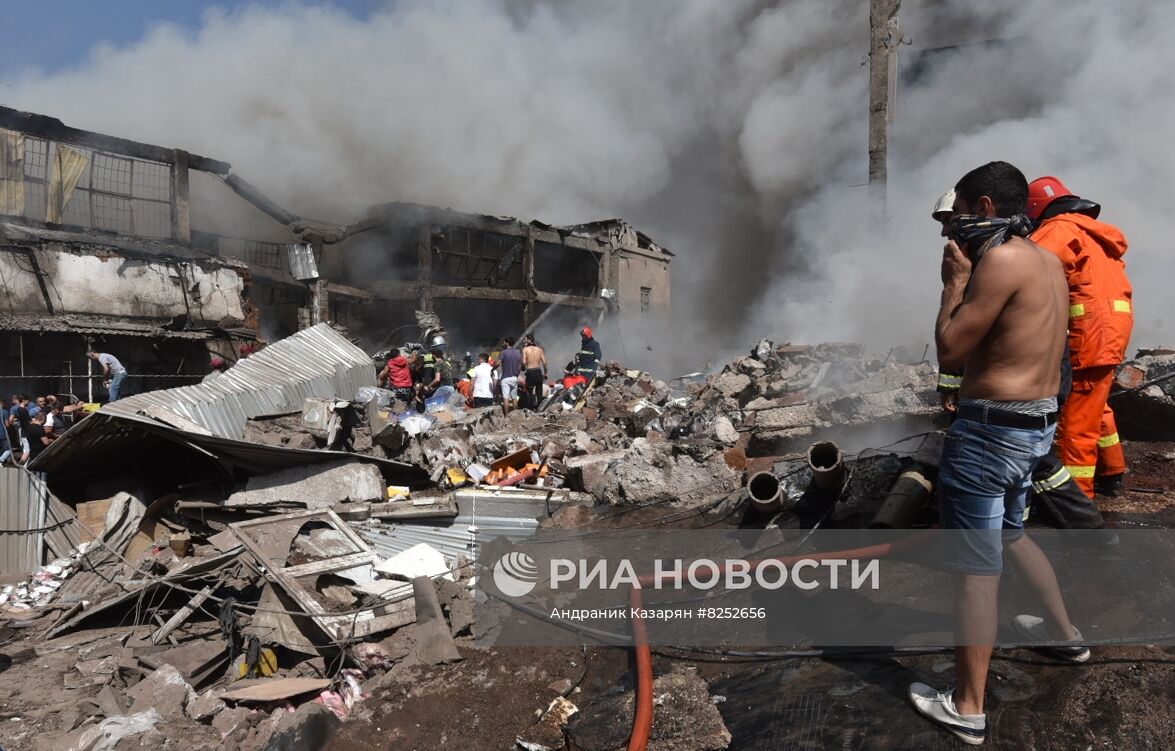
{"x":909,"y":495}
{"x":828,"y":465}
{"x":765,"y":491}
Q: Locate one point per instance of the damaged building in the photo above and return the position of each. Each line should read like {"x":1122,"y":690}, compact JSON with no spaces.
{"x":96,"y":238}
{"x":160,"y":256}
{"x":497,"y":274}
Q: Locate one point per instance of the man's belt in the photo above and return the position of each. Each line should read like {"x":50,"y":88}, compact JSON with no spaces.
{"x":1004,"y":418}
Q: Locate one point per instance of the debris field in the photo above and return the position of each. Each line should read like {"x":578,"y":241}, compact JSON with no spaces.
{"x":284,"y":560}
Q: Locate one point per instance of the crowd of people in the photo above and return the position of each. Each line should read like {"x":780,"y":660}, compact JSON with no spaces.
{"x":32,"y":424}
{"x":516,"y":375}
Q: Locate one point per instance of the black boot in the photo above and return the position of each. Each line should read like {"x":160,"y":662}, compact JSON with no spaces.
{"x":1108,"y":485}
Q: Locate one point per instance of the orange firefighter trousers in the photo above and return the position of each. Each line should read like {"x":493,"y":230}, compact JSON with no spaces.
{"x":1087,"y":436}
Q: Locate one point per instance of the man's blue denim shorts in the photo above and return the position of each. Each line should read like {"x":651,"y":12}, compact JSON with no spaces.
{"x":983,"y":485}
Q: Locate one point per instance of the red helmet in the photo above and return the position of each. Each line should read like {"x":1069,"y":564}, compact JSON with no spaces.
{"x":587,"y":332}
{"x":1041,"y":192}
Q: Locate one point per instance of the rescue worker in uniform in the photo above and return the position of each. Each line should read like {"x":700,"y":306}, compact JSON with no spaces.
{"x":426,"y":377}
{"x":1100,"y":321}
{"x":444,"y":369}
{"x":587,"y":360}
{"x":1056,"y":500}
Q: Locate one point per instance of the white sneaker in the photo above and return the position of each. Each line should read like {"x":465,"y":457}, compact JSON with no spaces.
{"x":940,"y":707}
{"x":1032,"y":627}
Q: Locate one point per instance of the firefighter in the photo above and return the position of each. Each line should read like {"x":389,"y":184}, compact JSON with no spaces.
{"x":1100,"y":321}
{"x":587,"y":360}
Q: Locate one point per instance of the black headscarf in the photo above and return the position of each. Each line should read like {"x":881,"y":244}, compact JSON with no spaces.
{"x":976,"y":234}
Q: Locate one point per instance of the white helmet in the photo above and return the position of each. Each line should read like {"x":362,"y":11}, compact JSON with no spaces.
{"x":945,"y":205}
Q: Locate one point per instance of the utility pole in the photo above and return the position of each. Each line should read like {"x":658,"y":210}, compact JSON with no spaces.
{"x":884,"y":38}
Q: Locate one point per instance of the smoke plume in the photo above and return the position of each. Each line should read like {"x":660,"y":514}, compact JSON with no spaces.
{"x":732,"y":131}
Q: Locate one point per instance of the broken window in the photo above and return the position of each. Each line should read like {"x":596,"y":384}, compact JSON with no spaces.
{"x":113,"y":192}
{"x":566,"y":270}
{"x":646,"y":297}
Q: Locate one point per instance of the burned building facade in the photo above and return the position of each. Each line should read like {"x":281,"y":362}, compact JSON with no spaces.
{"x":106,"y":243}
{"x":96,"y":252}
{"x":486,"y":275}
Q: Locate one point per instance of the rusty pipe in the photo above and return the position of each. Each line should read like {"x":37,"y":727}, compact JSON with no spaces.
{"x":765,"y":492}
{"x":827,"y":462}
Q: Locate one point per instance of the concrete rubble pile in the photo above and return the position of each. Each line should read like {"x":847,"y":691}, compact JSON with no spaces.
{"x":232,"y":564}
{"x":1144,"y":395}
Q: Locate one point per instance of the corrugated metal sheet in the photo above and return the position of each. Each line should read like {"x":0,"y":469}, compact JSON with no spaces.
{"x":482,"y":515}
{"x":105,"y":444}
{"x":460,"y":537}
{"x":24,"y":505}
{"x":316,"y":362}
{"x":302,"y":264}
{"x":93,"y":325}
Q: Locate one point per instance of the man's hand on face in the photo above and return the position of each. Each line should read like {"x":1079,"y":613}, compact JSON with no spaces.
{"x":956,"y":266}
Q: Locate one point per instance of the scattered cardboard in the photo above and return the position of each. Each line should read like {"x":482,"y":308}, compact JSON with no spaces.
{"x":517,"y":460}
{"x":92,"y":519}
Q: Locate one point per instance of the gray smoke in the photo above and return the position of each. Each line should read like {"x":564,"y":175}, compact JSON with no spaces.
{"x":732,"y":131}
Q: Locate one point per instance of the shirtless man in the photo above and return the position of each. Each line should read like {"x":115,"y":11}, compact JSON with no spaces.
{"x":1003,"y":319}
{"x":534,"y":363}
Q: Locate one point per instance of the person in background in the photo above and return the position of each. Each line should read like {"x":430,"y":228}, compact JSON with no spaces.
{"x":483,"y":382}
{"x":54,"y":421}
{"x":465,"y":387}
{"x":112,"y":371}
{"x":444,"y":368}
{"x":429,"y":378}
{"x":587,"y":360}
{"x":509,"y":368}
{"x":534,"y":360}
{"x":572,"y":378}
{"x":37,"y":437}
{"x":218,"y":366}
{"x":397,"y":376}
{"x":19,"y":418}
{"x":36,"y":406}
{"x":5,"y":440}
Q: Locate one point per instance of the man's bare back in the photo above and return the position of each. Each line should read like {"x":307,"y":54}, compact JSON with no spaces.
{"x":1008,"y":332}
{"x":533,"y":356}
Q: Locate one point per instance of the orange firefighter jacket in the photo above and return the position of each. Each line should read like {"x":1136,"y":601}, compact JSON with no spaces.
{"x":1100,"y":312}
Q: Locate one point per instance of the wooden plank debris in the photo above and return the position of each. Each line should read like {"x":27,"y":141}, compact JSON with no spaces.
{"x":276,"y":690}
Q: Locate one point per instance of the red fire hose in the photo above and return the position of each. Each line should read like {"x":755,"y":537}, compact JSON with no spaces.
{"x":642,"y":719}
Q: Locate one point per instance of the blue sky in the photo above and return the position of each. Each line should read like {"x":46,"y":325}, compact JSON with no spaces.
{"x":60,"y":33}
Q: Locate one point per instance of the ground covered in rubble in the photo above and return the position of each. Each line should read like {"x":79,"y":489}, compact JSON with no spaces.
{"x":318,"y":593}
